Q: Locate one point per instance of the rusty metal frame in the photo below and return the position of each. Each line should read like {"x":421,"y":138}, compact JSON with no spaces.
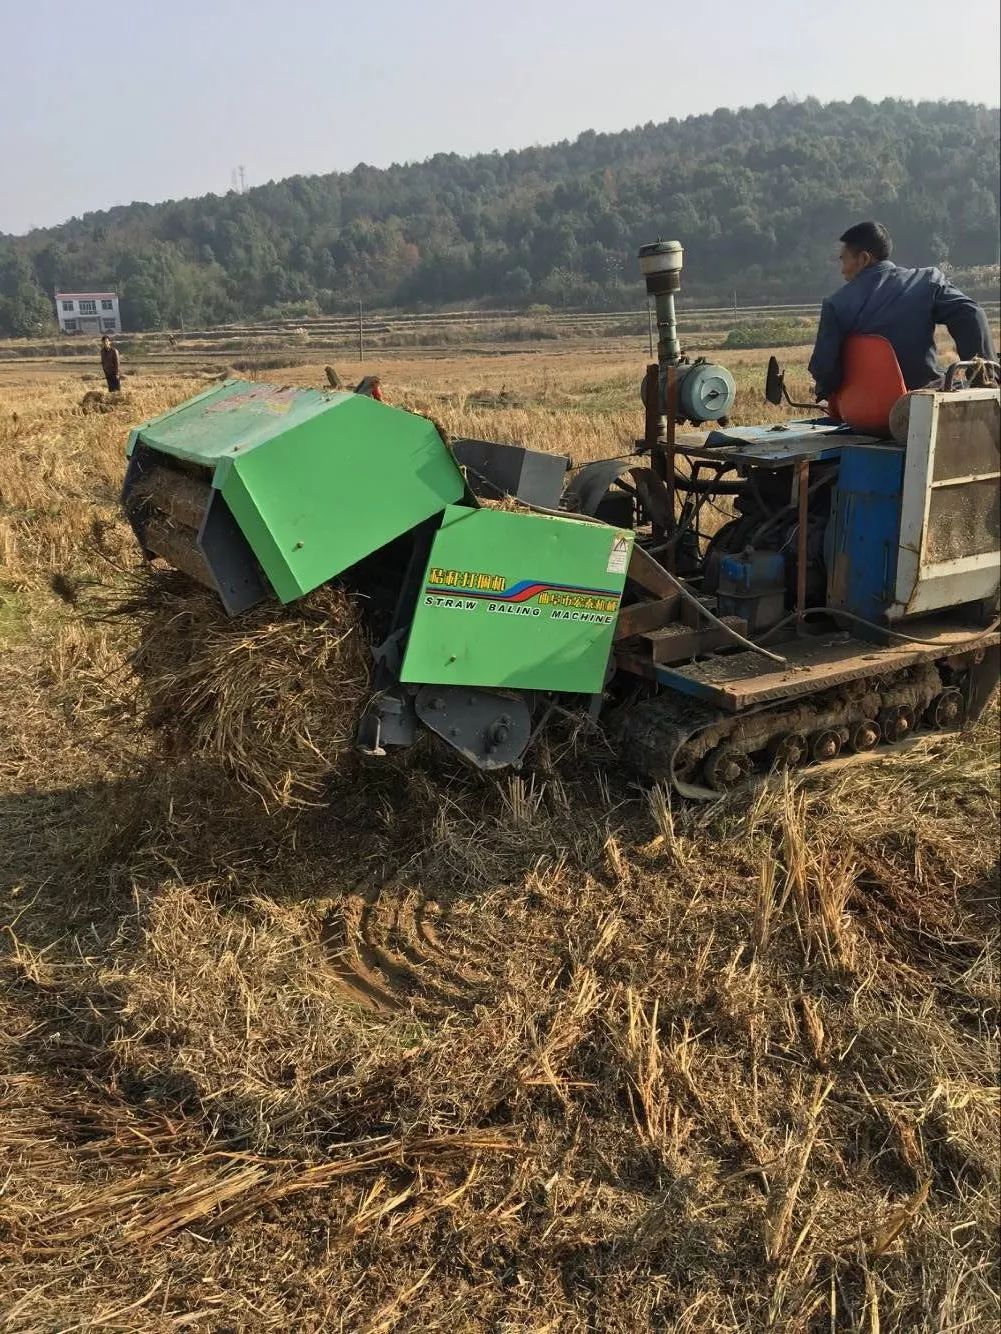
{"x":669,"y":460}
{"x":651,"y":430}
{"x":803,"y":498}
{"x":660,"y":440}
{"x":737,"y":682}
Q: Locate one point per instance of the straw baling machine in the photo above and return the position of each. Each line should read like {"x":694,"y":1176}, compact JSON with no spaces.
{"x":726,"y":601}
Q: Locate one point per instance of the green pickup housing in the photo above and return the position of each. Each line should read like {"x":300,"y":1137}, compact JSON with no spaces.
{"x":314,"y":480}
{"x":519,"y":600}
{"x":306,"y":484}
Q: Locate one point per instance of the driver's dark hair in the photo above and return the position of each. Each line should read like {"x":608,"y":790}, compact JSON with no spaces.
{"x":870,"y":236}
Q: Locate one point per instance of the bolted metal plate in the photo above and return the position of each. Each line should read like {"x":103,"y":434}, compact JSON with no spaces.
{"x":388,"y":720}
{"x":492,"y":730}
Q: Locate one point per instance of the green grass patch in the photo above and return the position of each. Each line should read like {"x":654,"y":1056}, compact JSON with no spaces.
{"x":770,"y":333}
{"x":15,"y":626}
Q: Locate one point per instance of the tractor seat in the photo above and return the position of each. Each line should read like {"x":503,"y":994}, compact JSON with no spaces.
{"x":870,"y":385}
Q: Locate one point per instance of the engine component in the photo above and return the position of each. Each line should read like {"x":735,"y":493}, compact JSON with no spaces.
{"x":660,"y":264}
{"x":753,"y":586}
{"x":704,"y":391}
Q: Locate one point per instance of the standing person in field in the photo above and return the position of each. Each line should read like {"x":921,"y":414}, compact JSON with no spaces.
{"x":902,"y":305}
{"x":111,"y":364}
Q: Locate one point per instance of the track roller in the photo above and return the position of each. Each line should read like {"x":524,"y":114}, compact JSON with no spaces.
{"x":726,"y":767}
{"x":825,"y":745}
{"x":864,"y":736}
{"x":897,"y":722}
{"x":788,"y":751}
{"x":947,"y":709}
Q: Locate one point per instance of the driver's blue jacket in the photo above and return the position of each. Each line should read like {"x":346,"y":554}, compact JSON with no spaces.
{"x":904,"y":306}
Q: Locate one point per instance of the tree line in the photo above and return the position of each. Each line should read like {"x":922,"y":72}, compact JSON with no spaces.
{"x":758,"y":196}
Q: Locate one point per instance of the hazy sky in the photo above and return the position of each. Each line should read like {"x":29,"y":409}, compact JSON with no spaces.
{"x":105,"y":103}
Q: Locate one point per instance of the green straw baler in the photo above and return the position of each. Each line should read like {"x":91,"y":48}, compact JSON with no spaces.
{"x":258,"y":492}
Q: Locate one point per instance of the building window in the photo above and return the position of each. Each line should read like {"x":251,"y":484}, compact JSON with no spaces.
{"x":88,"y":307}
{"x":69,"y":326}
{"x":108,"y":325}
{"x":107,"y":305}
{"x":67,"y":305}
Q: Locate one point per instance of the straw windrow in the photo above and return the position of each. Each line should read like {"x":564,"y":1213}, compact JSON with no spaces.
{"x":273,"y":697}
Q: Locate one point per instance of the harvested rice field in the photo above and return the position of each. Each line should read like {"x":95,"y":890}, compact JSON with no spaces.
{"x":293,"y":1040}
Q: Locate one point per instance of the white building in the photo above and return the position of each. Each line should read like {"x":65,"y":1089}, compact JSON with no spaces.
{"x":88,"y":312}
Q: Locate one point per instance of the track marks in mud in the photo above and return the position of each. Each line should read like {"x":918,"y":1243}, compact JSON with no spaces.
{"x":394,"y":950}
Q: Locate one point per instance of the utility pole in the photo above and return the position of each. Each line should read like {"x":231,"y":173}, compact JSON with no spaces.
{"x":361,"y":333}
{"x":243,"y":178}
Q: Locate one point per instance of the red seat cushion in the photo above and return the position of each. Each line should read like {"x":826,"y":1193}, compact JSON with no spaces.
{"x":871,"y":383}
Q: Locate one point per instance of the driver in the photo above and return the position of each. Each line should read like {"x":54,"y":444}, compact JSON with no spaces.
{"x":902,"y":305}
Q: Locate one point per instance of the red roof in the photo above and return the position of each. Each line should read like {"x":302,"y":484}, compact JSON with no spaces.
{"x":105,"y":295}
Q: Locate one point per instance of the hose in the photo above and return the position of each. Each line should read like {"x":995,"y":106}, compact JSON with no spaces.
{"x":797,"y":616}
{"x":682,"y":588}
{"x":786,"y":511}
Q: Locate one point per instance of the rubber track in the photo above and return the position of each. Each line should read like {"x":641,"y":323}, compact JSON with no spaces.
{"x":653,"y":734}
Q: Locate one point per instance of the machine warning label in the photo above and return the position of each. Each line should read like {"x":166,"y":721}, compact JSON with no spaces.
{"x":618,"y":557}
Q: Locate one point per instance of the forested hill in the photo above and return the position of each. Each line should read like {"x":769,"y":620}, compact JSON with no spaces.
{"x":758,"y":196}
